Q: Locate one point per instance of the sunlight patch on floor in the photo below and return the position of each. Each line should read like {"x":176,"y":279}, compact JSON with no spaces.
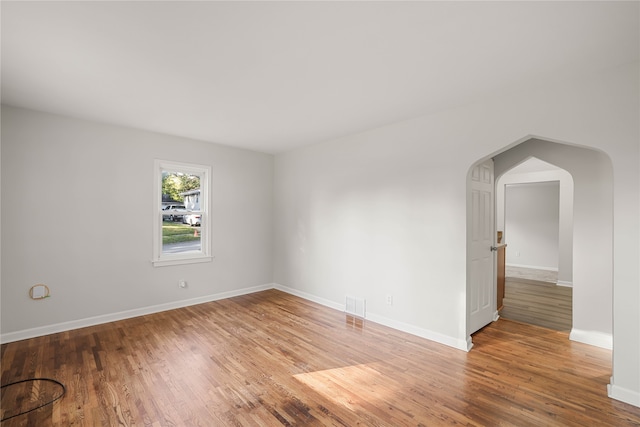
{"x":348,"y":385}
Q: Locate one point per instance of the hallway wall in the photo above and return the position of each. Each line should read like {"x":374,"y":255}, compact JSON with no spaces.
{"x":532,"y":224}
{"x":565,"y":233}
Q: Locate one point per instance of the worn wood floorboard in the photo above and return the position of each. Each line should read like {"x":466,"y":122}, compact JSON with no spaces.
{"x":270,"y":359}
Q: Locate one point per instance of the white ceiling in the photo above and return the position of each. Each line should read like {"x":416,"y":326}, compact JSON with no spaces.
{"x":271,"y":76}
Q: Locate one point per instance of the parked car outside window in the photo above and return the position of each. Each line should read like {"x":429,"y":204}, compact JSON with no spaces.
{"x":174,"y":216}
{"x":193,"y":219}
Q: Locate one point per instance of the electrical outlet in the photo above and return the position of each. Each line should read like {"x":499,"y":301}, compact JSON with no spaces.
{"x":182,"y":283}
{"x":389,"y":299}
{"x":517,"y":253}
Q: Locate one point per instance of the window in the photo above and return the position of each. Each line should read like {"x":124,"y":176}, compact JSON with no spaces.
{"x":181,"y":227}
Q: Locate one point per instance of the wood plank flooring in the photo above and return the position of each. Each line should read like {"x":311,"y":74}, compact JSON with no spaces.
{"x":269,"y":359}
{"x":538,"y":303}
{"x":532,"y":296}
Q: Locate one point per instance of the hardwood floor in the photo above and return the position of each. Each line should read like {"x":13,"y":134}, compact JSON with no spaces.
{"x":532,"y":296}
{"x":539,"y":304}
{"x":270,"y":358}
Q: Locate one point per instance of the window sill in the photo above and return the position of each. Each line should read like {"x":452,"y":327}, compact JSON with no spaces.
{"x":179,"y":261}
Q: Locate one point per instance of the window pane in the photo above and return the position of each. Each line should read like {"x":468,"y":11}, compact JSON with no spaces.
{"x":178,"y":237}
{"x":180,"y":196}
{"x":178,"y":186}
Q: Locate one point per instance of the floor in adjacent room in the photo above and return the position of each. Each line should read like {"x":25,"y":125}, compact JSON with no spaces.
{"x":532,"y":296}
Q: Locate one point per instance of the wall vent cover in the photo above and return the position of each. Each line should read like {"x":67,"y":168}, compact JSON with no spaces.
{"x":355,"y":306}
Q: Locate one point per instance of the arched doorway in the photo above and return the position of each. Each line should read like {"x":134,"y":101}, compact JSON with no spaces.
{"x":592,"y":230}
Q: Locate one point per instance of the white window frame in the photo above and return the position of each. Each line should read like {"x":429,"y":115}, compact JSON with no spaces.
{"x":204,"y":254}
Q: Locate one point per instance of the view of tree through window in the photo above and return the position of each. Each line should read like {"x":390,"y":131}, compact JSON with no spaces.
{"x":181,"y":216}
{"x":175,"y":183}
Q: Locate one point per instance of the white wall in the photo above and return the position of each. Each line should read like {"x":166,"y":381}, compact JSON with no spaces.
{"x":532,"y":224}
{"x":565,"y":235}
{"x":76,"y":215}
{"x":384,"y":212}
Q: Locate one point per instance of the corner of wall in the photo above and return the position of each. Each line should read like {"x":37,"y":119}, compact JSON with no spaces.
{"x":622,"y":394}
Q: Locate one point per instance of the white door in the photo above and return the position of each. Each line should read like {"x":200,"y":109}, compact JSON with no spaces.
{"x":482,"y":301}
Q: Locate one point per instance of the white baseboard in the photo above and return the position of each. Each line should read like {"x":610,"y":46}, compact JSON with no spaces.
{"x":112,"y":317}
{"x":401,"y":326}
{"x":564,"y":283}
{"x":309,"y":297}
{"x":460,"y":344}
{"x":598,"y":339}
{"x":622,"y":394}
{"x":535,"y":267}
{"x":469,"y":343}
